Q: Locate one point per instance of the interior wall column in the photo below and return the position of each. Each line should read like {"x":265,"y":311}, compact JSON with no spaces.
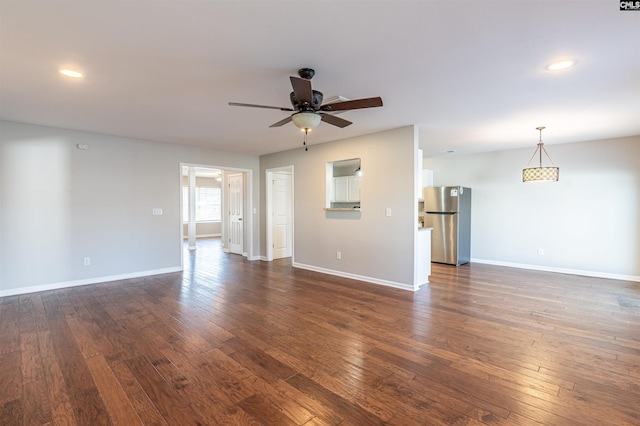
{"x":192,"y":209}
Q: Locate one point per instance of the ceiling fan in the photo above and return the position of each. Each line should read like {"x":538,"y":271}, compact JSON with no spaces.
{"x":307,"y":106}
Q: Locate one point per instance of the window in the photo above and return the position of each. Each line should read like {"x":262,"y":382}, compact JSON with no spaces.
{"x":208,"y":204}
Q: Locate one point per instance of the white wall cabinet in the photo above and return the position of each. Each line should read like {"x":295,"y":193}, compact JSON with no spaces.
{"x":354,"y":188}
{"x":341,"y":185}
{"x":346,"y":189}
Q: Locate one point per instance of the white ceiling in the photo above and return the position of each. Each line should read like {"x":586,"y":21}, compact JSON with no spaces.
{"x":470,"y":74}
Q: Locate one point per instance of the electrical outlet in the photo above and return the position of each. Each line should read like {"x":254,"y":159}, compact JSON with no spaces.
{"x":87,"y":261}
{"x":540,"y":252}
{"x":339,"y":255}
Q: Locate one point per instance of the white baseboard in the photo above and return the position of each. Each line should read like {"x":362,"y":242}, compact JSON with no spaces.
{"x":65,"y":284}
{"x":203,"y":236}
{"x":354,"y":276}
{"x":594,"y":274}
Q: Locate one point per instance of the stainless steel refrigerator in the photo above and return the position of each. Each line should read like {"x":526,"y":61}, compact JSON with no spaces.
{"x":448,"y":211}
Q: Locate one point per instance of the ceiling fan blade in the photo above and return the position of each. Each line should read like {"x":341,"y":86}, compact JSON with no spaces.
{"x":302,"y":89}
{"x":281,"y":122}
{"x":353,"y":104}
{"x":259,"y":106}
{"x":336,"y":121}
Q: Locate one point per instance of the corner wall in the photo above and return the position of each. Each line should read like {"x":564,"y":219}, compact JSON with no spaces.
{"x":374,"y":247}
{"x":587,"y":223}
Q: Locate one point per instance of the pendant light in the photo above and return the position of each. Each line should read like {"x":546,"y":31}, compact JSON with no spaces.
{"x":540,"y":174}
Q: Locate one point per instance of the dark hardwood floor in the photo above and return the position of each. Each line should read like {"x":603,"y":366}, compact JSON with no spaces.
{"x":233,"y":342}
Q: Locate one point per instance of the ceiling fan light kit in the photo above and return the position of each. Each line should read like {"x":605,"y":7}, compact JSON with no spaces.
{"x":306,"y":121}
{"x":307,"y":106}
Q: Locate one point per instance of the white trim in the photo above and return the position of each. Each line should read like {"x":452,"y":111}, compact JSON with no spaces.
{"x":356,"y":277}
{"x":204,"y":236}
{"x":65,"y":284}
{"x":268,"y":175}
{"x":204,"y":221}
{"x":594,"y":274}
{"x":208,"y":235}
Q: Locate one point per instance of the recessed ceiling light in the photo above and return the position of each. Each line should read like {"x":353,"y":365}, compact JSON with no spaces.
{"x":71,"y":73}
{"x":561,"y":64}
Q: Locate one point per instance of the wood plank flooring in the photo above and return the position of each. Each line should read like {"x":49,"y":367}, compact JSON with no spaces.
{"x":233,"y":342}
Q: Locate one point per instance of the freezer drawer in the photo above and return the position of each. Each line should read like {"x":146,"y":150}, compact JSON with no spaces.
{"x":442,"y":199}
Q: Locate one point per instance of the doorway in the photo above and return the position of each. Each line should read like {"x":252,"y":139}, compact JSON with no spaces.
{"x":279,"y":235}
{"x":235,"y":192}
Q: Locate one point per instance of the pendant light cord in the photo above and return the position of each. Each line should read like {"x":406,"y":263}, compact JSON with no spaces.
{"x":540,"y":148}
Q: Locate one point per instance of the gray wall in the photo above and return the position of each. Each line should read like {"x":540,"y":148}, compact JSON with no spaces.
{"x":374,"y":247}
{"x":59,"y":204}
{"x":204,"y":229}
{"x":588,"y":222}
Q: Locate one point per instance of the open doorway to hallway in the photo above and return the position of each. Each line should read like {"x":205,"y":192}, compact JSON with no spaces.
{"x":215,"y":205}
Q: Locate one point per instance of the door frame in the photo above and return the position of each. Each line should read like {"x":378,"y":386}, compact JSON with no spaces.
{"x":269,"y":209}
{"x":248,"y":206}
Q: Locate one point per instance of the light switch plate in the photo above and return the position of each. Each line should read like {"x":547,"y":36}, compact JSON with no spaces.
{"x":388,"y":212}
{"x":157,"y":212}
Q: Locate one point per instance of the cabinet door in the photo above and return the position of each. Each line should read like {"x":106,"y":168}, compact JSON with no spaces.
{"x":342,"y":189}
{"x":354,"y":188}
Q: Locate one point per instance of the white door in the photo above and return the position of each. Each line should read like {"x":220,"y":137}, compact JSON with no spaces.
{"x":282,"y":219}
{"x":236,"y":211}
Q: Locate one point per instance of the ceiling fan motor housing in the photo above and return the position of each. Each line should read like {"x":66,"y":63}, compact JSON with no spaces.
{"x":307,"y":73}
{"x":305,"y":106}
